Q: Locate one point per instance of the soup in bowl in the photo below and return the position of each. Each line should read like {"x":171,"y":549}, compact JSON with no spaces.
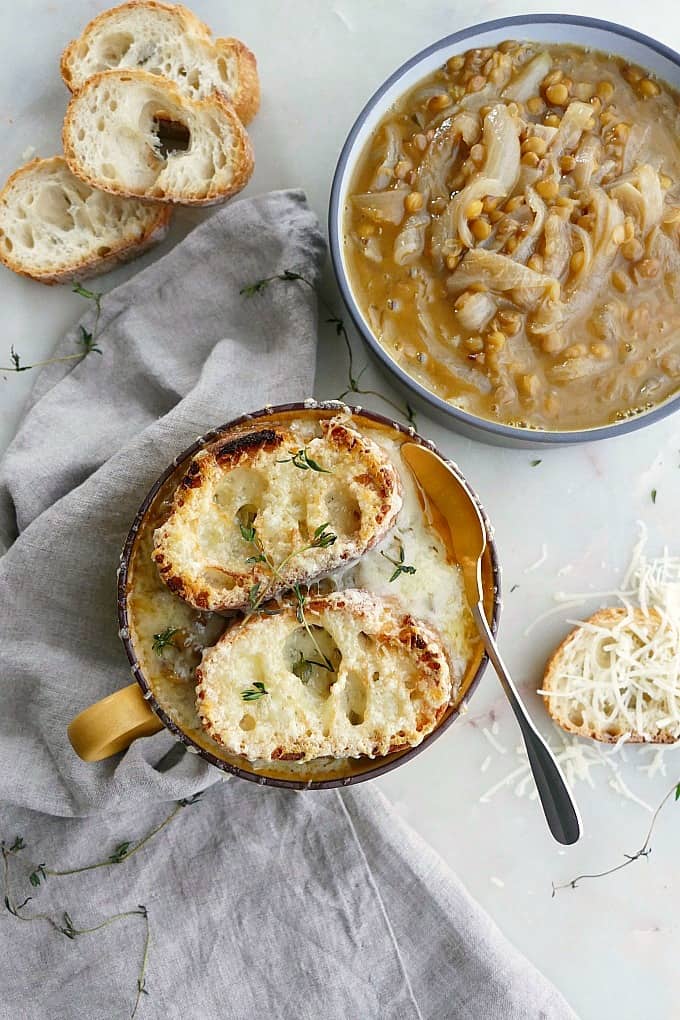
{"x":507,"y":234}
{"x":174,"y":634}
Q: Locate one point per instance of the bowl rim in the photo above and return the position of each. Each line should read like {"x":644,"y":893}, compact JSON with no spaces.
{"x":382,"y":765}
{"x":538,"y":437}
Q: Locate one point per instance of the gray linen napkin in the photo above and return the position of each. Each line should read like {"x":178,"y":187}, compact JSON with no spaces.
{"x":261,"y":902}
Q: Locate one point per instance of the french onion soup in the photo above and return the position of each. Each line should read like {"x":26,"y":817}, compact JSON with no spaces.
{"x":285,"y":671}
{"x":512,"y":236}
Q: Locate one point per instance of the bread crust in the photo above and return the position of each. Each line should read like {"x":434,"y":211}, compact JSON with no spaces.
{"x":376,"y":480}
{"x":602,"y":618}
{"x":425,"y":690}
{"x":83,"y":269}
{"x":246,"y":99}
{"x":243,"y":162}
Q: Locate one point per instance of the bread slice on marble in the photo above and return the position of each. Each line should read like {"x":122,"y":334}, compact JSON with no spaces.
{"x":168,"y":40}
{"x":135,"y":134}
{"x":55,"y":228}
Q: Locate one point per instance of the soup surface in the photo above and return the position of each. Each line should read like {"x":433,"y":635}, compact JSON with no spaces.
{"x":432,"y":592}
{"x":512,"y":236}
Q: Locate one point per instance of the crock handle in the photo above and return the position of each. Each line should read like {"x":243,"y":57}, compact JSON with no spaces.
{"x":110,"y":725}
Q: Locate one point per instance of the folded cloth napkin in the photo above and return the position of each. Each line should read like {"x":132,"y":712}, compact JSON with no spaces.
{"x":260,"y":902}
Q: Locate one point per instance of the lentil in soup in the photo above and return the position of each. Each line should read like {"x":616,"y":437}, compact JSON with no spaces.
{"x":513,"y":235}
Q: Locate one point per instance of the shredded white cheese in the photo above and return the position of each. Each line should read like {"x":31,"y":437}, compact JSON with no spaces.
{"x":619,"y":673}
{"x":496,"y":744}
{"x":539,"y":562}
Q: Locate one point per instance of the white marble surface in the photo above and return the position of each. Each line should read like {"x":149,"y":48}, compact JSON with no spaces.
{"x":611,"y":945}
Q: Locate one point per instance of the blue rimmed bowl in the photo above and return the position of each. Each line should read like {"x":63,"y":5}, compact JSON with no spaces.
{"x":548,"y":28}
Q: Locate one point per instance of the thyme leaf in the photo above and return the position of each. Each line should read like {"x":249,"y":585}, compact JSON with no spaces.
{"x":247,"y":533}
{"x":400,"y":566}
{"x":88,"y":344}
{"x":302,"y":460}
{"x":254,"y":693}
{"x":302,"y":667}
{"x":322,"y":538}
{"x":164,"y":640}
{"x":37,"y":876}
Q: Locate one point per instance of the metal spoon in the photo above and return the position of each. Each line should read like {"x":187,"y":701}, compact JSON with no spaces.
{"x":468,"y":537}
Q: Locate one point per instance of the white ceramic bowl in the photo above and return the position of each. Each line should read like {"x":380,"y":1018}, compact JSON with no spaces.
{"x":555,"y":28}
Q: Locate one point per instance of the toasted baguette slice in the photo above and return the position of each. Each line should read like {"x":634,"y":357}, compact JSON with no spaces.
{"x":616,"y":676}
{"x":55,"y":228}
{"x":134,"y":134}
{"x":387,"y":684}
{"x":202,"y":550}
{"x":168,"y":40}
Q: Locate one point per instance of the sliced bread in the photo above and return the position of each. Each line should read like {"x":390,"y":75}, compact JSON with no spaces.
{"x":347,"y":675}
{"x":55,"y":228}
{"x":616,"y":676}
{"x":257,"y":514}
{"x":135,"y":134}
{"x":165,"y":39}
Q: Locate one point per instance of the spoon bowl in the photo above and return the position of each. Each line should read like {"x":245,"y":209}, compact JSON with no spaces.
{"x":455,"y":503}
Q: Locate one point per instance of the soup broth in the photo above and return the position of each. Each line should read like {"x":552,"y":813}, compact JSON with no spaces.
{"x":512,"y":236}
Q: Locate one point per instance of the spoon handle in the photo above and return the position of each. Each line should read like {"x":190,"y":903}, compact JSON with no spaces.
{"x":558,"y":804}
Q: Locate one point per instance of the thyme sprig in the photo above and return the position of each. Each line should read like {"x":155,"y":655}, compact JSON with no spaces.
{"x":288,"y":275}
{"x":63,"y":922}
{"x":166,"y":639}
{"x":321,"y":539}
{"x":302,"y":460}
{"x":300,"y":613}
{"x":86,"y":340}
{"x":119,"y":854}
{"x":400,"y":566}
{"x":644,"y":851}
{"x":254,"y":693}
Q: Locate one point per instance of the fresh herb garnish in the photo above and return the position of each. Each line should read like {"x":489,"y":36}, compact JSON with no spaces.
{"x":87,"y":339}
{"x":300,"y":613}
{"x":302,"y":667}
{"x":353,"y":380}
{"x":644,"y":851}
{"x":254,"y":693}
{"x":535,"y":463}
{"x":399,"y":565}
{"x":164,"y":640}
{"x":63,"y":923}
{"x":321,"y":539}
{"x":259,"y":286}
{"x":653,"y":495}
{"x":302,"y":460}
{"x":514,"y":588}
